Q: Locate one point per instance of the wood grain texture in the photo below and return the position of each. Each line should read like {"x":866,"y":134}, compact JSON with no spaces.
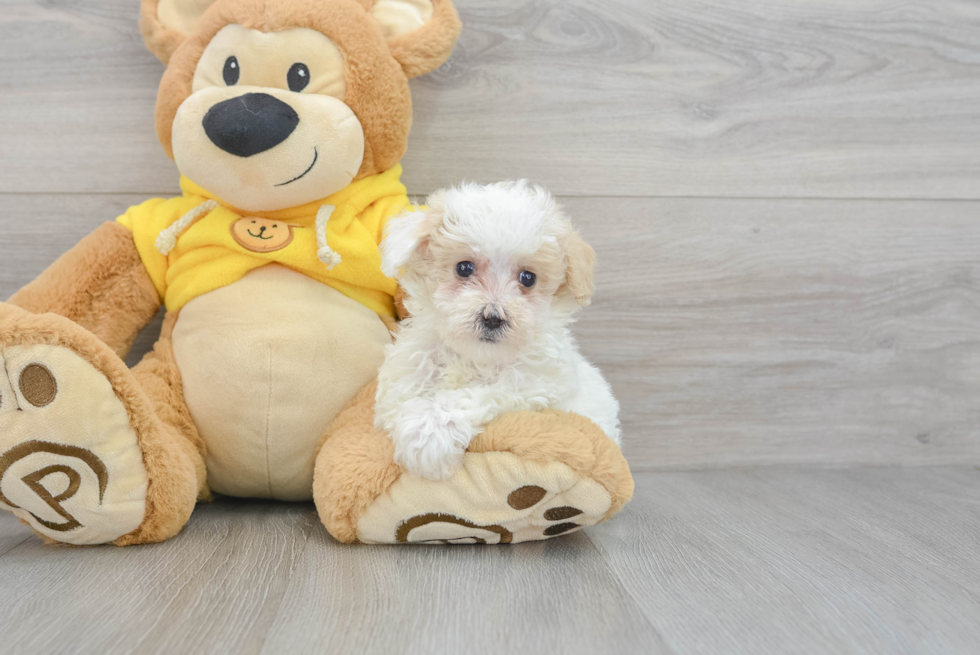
{"x":735,"y":332}
{"x":804,"y":561}
{"x":555,"y":596}
{"x":251,"y":577}
{"x":214,"y":588}
{"x":778,"y":560}
{"x":742,"y":332}
{"x":802,"y":98}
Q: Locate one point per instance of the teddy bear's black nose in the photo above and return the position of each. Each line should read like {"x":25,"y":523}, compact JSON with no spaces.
{"x":249,"y":124}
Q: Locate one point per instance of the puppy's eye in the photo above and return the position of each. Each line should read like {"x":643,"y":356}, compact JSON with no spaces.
{"x":465,"y":269}
{"x":298,"y":77}
{"x":528,"y":278}
{"x":232,"y":71}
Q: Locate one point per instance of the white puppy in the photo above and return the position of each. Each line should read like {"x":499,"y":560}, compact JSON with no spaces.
{"x":493,"y":275}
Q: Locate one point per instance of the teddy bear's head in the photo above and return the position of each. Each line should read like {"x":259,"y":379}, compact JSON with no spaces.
{"x":270,"y":104}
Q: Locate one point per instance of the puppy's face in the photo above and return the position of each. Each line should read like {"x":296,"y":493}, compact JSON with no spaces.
{"x":489,"y":266}
{"x":490,"y":301}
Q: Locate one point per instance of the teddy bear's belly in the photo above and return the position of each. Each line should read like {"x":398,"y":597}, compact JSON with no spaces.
{"x":267,"y":363}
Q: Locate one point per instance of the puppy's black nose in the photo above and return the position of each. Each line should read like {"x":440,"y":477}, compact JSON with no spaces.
{"x":249,"y":124}
{"x":492,"y":322}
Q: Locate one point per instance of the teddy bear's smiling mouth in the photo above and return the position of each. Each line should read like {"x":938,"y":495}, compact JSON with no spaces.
{"x":301,"y":175}
{"x":259,"y":235}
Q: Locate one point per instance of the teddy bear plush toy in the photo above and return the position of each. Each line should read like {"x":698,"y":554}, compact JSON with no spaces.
{"x":287,"y":120}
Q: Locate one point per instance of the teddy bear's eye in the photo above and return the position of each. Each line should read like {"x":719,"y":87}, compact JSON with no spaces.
{"x":465,"y":269}
{"x":298,"y":77}
{"x":232,"y":71}
{"x":528,"y":279}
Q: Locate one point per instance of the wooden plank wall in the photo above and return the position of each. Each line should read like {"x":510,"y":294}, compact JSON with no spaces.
{"x":784,"y":196}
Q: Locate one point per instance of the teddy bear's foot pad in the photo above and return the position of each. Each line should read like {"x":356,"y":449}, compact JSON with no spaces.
{"x":495,"y":497}
{"x":70,"y":463}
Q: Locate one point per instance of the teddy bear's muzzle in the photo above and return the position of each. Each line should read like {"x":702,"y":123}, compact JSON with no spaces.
{"x":249,"y":124}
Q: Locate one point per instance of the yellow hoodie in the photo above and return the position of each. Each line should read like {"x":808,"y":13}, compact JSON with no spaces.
{"x":197,"y":243}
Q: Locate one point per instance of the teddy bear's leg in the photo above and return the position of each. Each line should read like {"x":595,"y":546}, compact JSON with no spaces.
{"x":528,"y":476}
{"x":176,"y":453}
{"x":84,"y":456}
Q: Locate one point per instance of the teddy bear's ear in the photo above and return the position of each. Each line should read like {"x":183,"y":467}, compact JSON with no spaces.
{"x":165,"y":24}
{"x":421,"y":34}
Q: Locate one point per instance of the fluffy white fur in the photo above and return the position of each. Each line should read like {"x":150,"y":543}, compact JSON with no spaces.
{"x":448,"y":373}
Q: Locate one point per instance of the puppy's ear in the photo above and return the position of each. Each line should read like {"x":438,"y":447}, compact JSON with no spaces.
{"x":407,"y":234}
{"x":165,"y":24}
{"x":579,"y":267}
{"x":421,"y":34}
{"x":404,"y":235}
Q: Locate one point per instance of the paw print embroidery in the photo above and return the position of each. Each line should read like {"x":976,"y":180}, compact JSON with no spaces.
{"x":449,"y":525}
{"x":443,"y":528}
{"x":39,"y":388}
{"x":494,"y":498}
{"x":531,"y":495}
{"x":83,"y":481}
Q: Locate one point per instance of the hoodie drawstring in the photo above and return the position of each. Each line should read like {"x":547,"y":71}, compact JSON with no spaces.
{"x":324,"y":253}
{"x":167,"y":238}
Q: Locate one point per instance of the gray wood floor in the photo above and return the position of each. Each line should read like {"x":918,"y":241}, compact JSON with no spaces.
{"x":785,"y":199}
{"x":777,"y":560}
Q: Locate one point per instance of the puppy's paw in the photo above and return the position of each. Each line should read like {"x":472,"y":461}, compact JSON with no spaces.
{"x":429,"y":459}
{"x":430,"y":440}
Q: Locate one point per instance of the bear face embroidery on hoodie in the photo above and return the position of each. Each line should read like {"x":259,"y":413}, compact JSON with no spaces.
{"x":262,"y":234}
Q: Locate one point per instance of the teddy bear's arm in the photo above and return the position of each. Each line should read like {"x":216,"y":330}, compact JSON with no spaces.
{"x":101,"y":284}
